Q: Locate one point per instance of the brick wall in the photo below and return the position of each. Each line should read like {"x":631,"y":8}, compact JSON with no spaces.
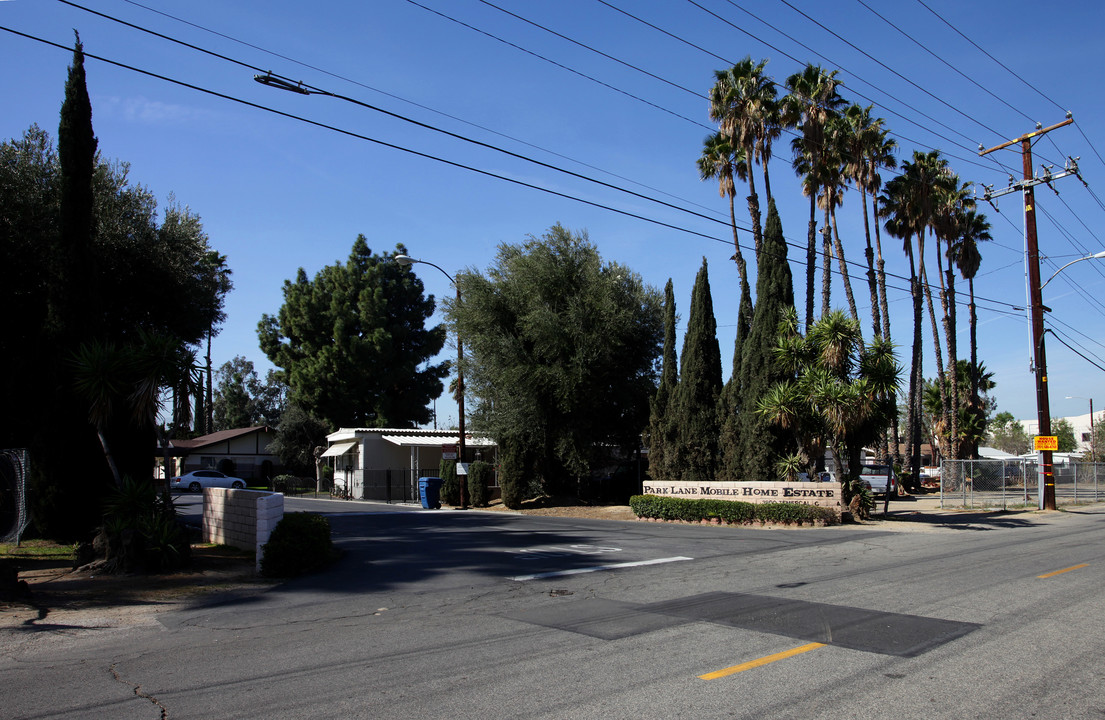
{"x":241,"y":518}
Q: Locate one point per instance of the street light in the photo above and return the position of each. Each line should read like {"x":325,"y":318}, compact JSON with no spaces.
{"x":1095,"y":256}
{"x":405,"y":261}
{"x":1036,"y":308}
{"x":1093,"y":437}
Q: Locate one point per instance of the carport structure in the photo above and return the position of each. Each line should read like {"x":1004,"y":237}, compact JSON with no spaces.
{"x":385,"y":463}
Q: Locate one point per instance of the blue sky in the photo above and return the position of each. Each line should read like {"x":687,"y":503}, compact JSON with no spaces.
{"x":276,"y":194}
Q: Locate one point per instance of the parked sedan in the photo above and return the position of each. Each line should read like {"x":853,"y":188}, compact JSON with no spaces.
{"x":200,"y":479}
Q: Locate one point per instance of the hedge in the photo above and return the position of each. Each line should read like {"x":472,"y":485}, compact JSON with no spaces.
{"x":730,"y":512}
{"x":299,"y":543}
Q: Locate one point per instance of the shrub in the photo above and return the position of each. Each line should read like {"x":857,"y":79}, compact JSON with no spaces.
{"x":450,"y":487}
{"x":511,"y":474}
{"x":287,"y":484}
{"x":732,"y":512}
{"x":299,"y":543}
{"x":479,"y":474}
{"x":141,"y":532}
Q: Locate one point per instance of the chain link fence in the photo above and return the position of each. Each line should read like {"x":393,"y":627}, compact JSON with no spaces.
{"x":13,"y":495}
{"x":1004,"y":484}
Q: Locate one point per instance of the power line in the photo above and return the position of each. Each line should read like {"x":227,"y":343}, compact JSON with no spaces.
{"x":560,"y":65}
{"x":968,"y":160}
{"x":354,"y":82}
{"x":726,"y":242}
{"x":947,"y":64}
{"x":987,"y":54}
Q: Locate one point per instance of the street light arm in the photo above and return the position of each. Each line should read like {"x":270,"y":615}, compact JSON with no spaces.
{"x":406,"y":260}
{"x":1095,"y":256}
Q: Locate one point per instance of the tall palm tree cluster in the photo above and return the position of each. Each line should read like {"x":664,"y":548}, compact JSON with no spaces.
{"x":839,"y":145}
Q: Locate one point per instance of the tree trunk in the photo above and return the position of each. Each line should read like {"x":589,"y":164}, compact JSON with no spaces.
{"x":872,"y":280}
{"x":754,"y":203}
{"x":826,"y":265}
{"x":811,"y":260}
{"x":953,"y":364}
{"x":941,"y":378}
{"x":844,"y":271}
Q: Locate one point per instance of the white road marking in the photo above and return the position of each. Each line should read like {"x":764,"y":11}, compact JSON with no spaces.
{"x":597,"y":568}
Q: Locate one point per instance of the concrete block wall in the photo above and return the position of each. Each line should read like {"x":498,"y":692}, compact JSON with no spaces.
{"x":241,"y":518}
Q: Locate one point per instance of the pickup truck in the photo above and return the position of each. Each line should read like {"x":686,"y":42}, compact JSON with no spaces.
{"x":878,"y":478}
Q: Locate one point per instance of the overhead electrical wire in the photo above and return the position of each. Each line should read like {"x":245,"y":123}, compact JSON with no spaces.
{"x":458,"y":136}
{"x":560,"y":65}
{"x":314,"y":90}
{"x":385,"y":93}
{"x":968,"y":160}
{"x":947,"y":64}
{"x":191,"y":86}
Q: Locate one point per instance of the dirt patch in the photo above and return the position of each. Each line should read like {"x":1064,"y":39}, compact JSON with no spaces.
{"x":568,"y":507}
{"x":64,"y":598}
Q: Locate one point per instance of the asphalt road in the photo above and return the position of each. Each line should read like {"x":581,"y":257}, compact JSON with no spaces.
{"x":487,"y":615}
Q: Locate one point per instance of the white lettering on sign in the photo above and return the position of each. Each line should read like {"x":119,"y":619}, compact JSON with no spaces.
{"x":824,"y":494}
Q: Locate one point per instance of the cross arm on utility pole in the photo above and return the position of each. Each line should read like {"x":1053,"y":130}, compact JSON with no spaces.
{"x":1035,"y":299}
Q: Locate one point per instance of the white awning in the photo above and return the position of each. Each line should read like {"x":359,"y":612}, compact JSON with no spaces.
{"x":340,"y":449}
{"x":436,"y":441}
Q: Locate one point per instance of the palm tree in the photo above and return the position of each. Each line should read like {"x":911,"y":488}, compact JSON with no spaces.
{"x":840,"y":394}
{"x":812,"y":100}
{"x":914,"y":206}
{"x":869,"y":151}
{"x":948,"y":224}
{"x":743,"y":104}
{"x":897,"y":209}
{"x":974,"y":228}
{"x":722,"y":162}
{"x":833,"y":185}
{"x":872,"y":150}
{"x":132,"y":379}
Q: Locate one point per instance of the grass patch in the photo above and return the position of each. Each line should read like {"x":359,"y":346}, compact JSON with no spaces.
{"x":37,"y":550}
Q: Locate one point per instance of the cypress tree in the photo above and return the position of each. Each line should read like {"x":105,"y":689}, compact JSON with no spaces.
{"x":696,"y":398}
{"x":729,"y":408}
{"x":761,"y":445}
{"x":71,"y":290}
{"x":661,"y":435}
{"x":64,"y":509}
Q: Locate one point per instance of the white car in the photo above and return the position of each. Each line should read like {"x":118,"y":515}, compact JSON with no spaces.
{"x":199,"y":479}
{"x":879,"y":478}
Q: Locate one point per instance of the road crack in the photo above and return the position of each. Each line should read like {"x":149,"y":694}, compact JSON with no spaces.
{"x":139,"y":692}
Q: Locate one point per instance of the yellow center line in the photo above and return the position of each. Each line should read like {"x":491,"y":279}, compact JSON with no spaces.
{"x":1060,"y":572}
{"x":762,"y":661}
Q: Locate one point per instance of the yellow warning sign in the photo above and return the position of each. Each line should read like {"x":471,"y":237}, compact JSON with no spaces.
{"x":1046,"y":442}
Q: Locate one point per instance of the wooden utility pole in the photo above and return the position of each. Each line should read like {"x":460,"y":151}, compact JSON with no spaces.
{"x":1035,"y":302}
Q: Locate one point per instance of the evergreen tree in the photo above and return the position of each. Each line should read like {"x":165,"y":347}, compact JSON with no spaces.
{"x":762,"y":445}
{"x":562,"y":350}
{"x":696,"y":398}
{"x":69,"y":510}
{"x":729,"y":407}
{"x":73,"y":291}
{"x":661,"y":434}
{"x":352,"y":343}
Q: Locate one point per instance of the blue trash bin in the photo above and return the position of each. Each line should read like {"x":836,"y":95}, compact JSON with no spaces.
{"x":429,"y":491}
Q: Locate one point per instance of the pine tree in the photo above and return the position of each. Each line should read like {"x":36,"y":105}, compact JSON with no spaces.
{"x":660,"y":427}
{"x":761,"y":445}
{"x":696,"y":398}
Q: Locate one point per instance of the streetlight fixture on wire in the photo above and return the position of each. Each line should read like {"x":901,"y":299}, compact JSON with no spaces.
{"x":405,"y":261}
